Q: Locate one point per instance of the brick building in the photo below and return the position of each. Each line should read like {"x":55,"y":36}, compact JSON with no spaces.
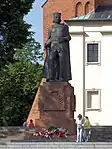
{"x":69,"y":9}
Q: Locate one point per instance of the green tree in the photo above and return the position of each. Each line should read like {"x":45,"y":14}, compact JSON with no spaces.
{"x":19,"y":83}
{"x":13,"y":29}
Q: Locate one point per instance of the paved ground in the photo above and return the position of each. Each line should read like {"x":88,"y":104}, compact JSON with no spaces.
{"x":54,"y":145}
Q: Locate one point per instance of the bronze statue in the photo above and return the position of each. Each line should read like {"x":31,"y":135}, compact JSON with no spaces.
{"x":57,"y":64}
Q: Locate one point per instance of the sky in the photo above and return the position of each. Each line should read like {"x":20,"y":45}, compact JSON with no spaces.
{"x":35,"y":18}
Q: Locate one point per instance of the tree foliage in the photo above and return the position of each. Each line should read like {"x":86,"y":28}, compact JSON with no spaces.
{"x":19,"y":83}
{"x":13,"y":28}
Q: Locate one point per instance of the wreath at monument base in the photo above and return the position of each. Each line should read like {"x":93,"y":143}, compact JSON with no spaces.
{"x":52,"y":132}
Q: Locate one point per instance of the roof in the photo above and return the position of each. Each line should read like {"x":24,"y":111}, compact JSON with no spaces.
{"x":44,"y":3}
{"x":101,"y":13}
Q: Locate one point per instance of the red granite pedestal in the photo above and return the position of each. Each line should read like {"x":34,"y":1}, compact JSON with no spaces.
{"x":55,"y":106}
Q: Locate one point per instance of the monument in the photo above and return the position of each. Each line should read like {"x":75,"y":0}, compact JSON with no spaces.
{"x":55,"y":103}
{"x":57,"y":64}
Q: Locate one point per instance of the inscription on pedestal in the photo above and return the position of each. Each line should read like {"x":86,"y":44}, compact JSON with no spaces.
{"x":54,"y":101}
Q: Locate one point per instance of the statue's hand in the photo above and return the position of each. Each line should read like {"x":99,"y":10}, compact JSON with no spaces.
{"x":45,"y":45}
{"x":48,"y":44}
{"x":67,"y":38}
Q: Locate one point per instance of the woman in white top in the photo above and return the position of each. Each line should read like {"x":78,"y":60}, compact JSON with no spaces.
{"x":79,"y":128}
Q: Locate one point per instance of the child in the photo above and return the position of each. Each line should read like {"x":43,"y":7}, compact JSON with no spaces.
{"x":87,"y":127}
{"x":31,"y":124}
{"x":25,"y":124}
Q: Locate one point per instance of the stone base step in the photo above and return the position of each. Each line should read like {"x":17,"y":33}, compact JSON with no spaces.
{"x":101,"y":134}
{"x":54,"y":145}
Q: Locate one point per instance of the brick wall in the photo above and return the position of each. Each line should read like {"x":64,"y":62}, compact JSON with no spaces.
{"x":65,"y":7}
{"x":103,"y":2}
{"x":83,"y":6}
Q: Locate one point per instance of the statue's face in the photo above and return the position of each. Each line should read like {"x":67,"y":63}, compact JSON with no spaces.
{"x":57,"y":18}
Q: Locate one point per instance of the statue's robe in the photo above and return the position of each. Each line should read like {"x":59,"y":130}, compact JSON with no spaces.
{"x":57,"y":65}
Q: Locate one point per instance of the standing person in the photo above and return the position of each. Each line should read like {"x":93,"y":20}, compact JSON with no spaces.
{"x":79,"y":123}
{"x":87,"y":128}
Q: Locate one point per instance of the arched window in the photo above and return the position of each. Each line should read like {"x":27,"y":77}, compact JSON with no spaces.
{"x":79,"y":9}
{"x":87,"y":7}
